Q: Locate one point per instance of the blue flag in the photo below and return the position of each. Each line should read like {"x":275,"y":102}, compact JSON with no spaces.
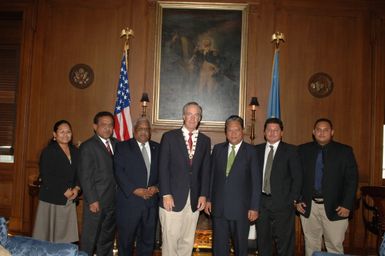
{"x":274,"y":107}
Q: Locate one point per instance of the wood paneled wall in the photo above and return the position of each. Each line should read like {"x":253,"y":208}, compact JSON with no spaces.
{"x":342,"y":38}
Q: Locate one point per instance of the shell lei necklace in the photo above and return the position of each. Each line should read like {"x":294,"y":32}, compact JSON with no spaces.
{"x":192,"y":150}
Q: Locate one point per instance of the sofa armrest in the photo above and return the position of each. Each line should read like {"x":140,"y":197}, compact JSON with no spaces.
{"x":24,"y":246}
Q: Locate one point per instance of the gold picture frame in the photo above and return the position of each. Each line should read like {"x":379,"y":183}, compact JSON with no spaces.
{"x":200,"y":55}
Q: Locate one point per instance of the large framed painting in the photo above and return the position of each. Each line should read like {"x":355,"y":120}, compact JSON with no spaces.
{"x":200,"y":55}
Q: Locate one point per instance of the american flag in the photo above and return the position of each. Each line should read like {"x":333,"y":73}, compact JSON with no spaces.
{"x":122,"y":115}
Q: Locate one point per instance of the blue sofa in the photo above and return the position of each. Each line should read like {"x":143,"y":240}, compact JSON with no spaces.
{"x":27,"y":246}
{"x":327,"y":254}
{"x":381,"y":250}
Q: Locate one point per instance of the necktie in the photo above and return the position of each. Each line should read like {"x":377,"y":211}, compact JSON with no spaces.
{"x":108,"y":147}
{"x":146,"y":160}
{"x":319,"y":166}
{"x":230,"y":160}
{"x":269,"y":164}
{"x":190,"y":145}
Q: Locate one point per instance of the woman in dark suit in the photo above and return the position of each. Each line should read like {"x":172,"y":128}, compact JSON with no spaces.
{"x":56,"y":218}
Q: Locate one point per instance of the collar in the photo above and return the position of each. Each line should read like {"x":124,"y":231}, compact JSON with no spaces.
{"x":185,"y":131}
{"x":237,"y":146}
{"x":275,"y":145}
{"x":140,"y":143}
{"x":104,"y":140}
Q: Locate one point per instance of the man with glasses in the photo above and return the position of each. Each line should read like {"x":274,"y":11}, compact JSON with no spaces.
{"x":136,"y":171}
{"x":97,"y":181}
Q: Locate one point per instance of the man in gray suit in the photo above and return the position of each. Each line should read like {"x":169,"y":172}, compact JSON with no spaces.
{"x":281,"y":187}
{"x":98,"y":184}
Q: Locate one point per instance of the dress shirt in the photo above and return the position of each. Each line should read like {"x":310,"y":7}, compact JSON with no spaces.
{"x":267,"y":150}
{"x":235,"y":149}
{"x":109,"y":143}
{"x":147,"y":147}
{"x":194,"y":138}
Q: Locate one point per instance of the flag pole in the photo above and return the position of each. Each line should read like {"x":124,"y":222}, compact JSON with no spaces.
{"x":274,"y":105}
{"x":122,"y":114}
{"x":127,"y":33}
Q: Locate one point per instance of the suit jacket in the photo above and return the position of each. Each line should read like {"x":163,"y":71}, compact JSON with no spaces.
{"x":340,"y":176}
{"x":131,"y":173}
{"x":96,"y":172}
{"x":233,"y":196}
{"x":176,"y":176}
{"x":286,"y":174}
{"x":57,"y":173}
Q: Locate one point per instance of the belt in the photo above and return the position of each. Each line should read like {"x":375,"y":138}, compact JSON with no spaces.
{"x":265,"y":194}
{"x":318,"y":200}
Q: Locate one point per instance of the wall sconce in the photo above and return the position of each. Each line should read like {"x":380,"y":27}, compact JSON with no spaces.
{"x":144,"y":101}
{"x":253,"y":105}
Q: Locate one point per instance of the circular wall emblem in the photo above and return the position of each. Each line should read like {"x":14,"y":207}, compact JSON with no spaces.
{"x":320,"y":85}
{"x":81,"y":76}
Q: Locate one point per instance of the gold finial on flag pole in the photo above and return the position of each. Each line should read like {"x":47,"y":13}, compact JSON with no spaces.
{"x":277,"y":37}
{"x":127,"y":33}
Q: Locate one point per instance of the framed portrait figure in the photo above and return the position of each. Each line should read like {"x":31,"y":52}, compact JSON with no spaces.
{"x":200,"y":55}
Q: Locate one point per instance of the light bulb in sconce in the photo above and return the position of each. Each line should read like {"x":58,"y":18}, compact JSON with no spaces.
{"x":253,"y":105}
{"x":144,"y":100}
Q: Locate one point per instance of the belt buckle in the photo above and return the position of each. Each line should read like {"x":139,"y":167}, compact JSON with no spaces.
{"x":318,"y":200}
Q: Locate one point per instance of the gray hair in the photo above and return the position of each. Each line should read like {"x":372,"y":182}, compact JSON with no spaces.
{"x":142,"y":120}
{"x":192,"y":103}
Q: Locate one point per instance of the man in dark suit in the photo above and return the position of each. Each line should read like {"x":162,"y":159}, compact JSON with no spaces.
{"x":184,"y":173}
{"x":281,"y":186}
{"x":235,"y":189}
{"x":97,"y":181}
{"x":329,"y":189}
{"x":136,"y":171}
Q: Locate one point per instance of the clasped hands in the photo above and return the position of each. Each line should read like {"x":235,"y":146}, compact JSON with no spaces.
{"x":72,"y":193}
{"x":146,"y":193}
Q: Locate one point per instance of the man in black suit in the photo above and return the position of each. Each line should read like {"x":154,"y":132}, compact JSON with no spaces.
{"x":235,"y":189}
{"x":329,"y":189}
{"x":184,"y":173}
{"x":136,"y":171}
{"x":97,"y":181}
{"x":281,"y":186}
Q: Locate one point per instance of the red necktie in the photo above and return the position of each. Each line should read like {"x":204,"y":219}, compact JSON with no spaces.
{"x":190,"y":143}
{"x":108,"y":147}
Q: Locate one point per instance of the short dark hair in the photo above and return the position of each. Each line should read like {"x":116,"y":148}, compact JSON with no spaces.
{"x":233,"y":118}
{"x":323,"y":120}
{"x":102,"y":114}
{"x":273,"y":120}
